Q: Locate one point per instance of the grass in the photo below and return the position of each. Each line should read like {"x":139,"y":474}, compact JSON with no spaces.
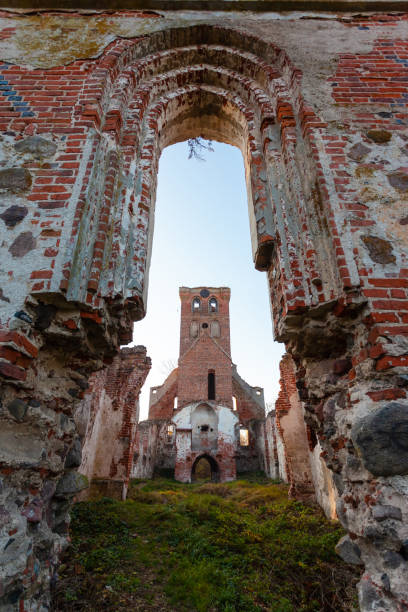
{"x":242,"y":546}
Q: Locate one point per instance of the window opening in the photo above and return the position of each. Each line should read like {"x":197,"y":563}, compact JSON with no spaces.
{"x":204,"y":325}
{"x":213,"y":305}
{"x":211,"y":385}
{"x":244,"y":437}
{"x":234,"y":403}
{"x":170,"y":432}
{"x":203,"y":470}
{"x":175,"y":403}
{"x":196,"y":304}
{"x":194,"y":329}
{"x":204,"y":427}
{"x":215,"y":329}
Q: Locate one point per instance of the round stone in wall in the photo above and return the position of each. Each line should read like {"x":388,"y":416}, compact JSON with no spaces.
{"x":381,"y":438}
{"x":204,"y":293}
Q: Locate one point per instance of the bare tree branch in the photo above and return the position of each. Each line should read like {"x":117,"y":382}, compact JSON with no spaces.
{"x":197,"y":146}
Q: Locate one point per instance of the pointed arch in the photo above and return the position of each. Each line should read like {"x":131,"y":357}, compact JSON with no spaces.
{"x":225,"y":85}
{"x":212,"y":463}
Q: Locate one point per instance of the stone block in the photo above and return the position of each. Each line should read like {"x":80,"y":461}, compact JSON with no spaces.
{"x":15,"y":179}
{"x":358,"y":152}
{"x":349,"y":551}
{"x":381,"y":439}
{"x":37,"y":146}
{"x":399,"y":180}
{"x":381,"y":513}
{"x":70,"y":484}
{"x":379,"y":136}
{"x":17,"y":409}
{"x":14,"y":215}
{"x":74,"y":455}
{"x":379,"y":250}
{"x":23,"y":244}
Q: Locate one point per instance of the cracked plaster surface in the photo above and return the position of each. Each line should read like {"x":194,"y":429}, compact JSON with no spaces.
{"x":313,"y":42}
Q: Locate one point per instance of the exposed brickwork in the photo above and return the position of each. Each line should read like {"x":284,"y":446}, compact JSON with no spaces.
{"x":271,"y":458}
{"x":204,"y":352}
{"x":204,"y":349}
{"x":318,"y":108}
{"x":293,"y":432}
{"x":111,"y":412}
{"x":249,"y":400}
{"x":161,"y":405}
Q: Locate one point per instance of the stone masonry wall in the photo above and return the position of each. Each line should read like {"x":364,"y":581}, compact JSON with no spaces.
{"x":316,"y":102}
{"x":145,"y":449}
{"x":250,"y":406}
{"x":292,"y":430}
{"x":304,"y":467}
{"x":111,"y":411}
{"x":270,"y":451}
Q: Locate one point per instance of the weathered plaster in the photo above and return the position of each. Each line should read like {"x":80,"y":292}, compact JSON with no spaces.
{"x":303,"y":99}
{"x":54,"y":40}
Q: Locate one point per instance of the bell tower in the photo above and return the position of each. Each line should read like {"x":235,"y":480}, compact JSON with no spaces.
{"x":205,"y":367}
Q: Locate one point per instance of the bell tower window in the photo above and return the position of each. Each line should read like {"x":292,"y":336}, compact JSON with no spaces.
{"x":215,"y":329}
{"x":211,"y":385}
{"x":212,"y":305}
{"x":196,"y":304}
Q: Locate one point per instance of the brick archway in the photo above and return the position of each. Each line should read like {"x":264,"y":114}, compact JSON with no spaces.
{"x":338,"y":289}
{"x":222,"y":90}
{"x":214,"y":469}
{"x":225,"y":85}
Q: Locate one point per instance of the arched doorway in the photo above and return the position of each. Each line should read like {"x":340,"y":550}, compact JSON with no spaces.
{"x":204,"y":469}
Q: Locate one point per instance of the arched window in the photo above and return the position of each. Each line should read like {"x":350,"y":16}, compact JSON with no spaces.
{"x":170,"y":432}
{"x":234,"y":403}
{"x":243,"y":436}
{"x":212,"y":305}
{"x":215,"y":329}
{"x":193,"y":329}
{"x":175,"y":403}
{"x":211,"y":385}
{"x":196,"y":304}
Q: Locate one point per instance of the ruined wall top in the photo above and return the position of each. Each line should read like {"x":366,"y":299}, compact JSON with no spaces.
{"x":212,"y":5}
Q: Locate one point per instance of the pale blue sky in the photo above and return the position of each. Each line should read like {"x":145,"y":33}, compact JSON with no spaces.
{"x":201,"y":237}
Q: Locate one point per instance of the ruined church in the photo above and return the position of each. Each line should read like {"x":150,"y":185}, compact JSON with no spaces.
{"x":204,"y":411}
{"x":314,"y":94}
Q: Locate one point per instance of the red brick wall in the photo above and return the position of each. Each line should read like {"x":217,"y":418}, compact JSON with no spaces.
{"x":292,"y":430}
{"x":162,"y":398}
{"x":194,"y":365}
{"x":204,"y":353}
{"x":247,"y":407}
{"x":204,"y":316}
{"x":113,"y":399}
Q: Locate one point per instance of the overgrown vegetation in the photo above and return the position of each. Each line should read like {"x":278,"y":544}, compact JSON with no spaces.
{"x":241,"y":546}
